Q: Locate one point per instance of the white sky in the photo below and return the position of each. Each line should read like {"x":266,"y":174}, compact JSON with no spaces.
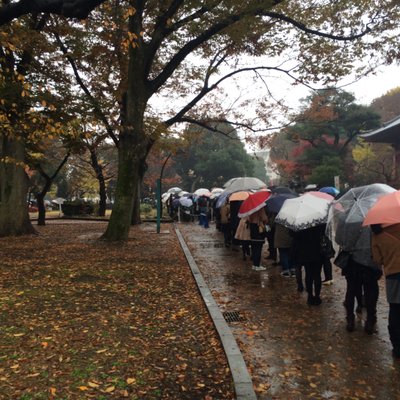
{"x":369,"y":88}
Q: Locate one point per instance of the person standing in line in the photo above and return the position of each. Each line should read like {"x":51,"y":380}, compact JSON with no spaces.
{"x":257,"y":222}
{"x":307,"y":251}
{"x":386,"y":252}
{"x":273,"y":254}
{"x":225,"y":223}
{"x":243,"y":235}
{"x":327,"y":253}
{"x":283,"y":241}
{"x":203,"y":208}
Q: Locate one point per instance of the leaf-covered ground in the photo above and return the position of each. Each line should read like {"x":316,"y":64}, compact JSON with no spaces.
{"x":83,"y":319}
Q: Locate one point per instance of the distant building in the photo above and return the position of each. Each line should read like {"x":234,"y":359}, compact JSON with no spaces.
{"x":271,"y":177}
{"x":388,"y":133}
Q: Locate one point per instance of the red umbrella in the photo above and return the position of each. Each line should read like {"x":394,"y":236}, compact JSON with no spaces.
{"x":253,"y":203}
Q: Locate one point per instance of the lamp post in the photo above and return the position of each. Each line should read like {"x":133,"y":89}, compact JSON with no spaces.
{"x":158,"y":194}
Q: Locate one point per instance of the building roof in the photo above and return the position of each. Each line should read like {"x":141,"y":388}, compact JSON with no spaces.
{"x":388,"y":133}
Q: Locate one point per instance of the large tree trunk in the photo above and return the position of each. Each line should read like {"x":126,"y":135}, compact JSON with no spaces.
{"x":126,"y":190}
{"x":14,"y":184}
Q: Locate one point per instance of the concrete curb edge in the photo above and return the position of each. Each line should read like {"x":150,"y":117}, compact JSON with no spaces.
{"x":241,"y":377}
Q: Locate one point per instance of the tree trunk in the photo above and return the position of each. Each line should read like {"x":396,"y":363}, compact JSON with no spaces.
{"x":126,"y":190}
{"x":102,"y":184}
{"x":14,"y":184}
{"x":41,"y":209}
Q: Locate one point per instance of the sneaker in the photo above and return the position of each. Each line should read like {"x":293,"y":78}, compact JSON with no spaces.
{"x":292,"y":272}
{"x":286,"y":274}
{"x":254,"y":268}
{"x":260,"y":268}
{"x":327,"y":282}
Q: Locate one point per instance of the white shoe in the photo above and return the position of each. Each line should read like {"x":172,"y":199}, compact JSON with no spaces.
{"x":254,"y":268}
{"x":260,"y":268}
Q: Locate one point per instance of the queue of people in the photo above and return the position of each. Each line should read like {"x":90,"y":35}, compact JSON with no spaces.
{"x":364,"y":251}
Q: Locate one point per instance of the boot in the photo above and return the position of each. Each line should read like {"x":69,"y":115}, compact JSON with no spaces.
{"x":369,"y":326}
{"x":350,"y":326}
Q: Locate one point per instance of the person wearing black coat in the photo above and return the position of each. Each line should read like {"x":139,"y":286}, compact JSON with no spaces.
{"x":306,"y":251}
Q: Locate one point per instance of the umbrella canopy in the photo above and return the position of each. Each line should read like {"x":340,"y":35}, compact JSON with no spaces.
{"x":244,"y":183}
{"x":330,"y":190}
{"x":282,"y":190}
{"x":322,"y":195}
{"x":303,"y":212}
{"x":183,"y":193}
{"x":253,"y":203}
{"x":165,"y":197}
{"x":186,"y":201}
{"x":222,"y":199}
{"x":174,"y":190}
{"x":385,"y":211}
{"x":202,"y":192}
{"x":275,"y":202}
{"x":216,"y":192}
{"x":347,"y":215}
{"x":239,"y":196}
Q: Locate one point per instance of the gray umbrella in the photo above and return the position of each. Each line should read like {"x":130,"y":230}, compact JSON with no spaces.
{"x":346,"y":216}
{"x":244,"y":183}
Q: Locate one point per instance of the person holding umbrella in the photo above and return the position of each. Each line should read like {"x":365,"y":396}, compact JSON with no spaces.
{"x":384,"y":218}
{"x":253,"y":208}
{"x":386,"y":252}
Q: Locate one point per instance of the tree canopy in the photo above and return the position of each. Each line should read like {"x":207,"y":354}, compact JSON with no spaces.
{"x":326,"y":128}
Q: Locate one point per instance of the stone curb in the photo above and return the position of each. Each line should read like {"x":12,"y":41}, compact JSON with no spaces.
{"x":241,"y":377}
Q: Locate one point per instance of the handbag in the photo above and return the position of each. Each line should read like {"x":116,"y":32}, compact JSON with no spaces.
{"x":342,"y":259}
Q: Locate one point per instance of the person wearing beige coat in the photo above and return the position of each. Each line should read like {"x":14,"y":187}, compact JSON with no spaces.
{"x":243,"y":234}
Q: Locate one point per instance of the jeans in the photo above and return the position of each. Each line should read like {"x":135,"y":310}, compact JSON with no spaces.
{"x":284,"y":258}
{"x":203,"y":220}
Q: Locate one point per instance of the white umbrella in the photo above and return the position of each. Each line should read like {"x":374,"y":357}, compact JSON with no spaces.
{"x":303,"y":212}
{"x":244,"y":183}
{"x":202,"y":192}
{"x":174,"y":190}
{"x":165,"y":197}
{"x":186,"y":201}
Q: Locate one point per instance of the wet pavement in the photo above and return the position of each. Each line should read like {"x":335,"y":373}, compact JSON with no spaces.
{"x":295,"y":351}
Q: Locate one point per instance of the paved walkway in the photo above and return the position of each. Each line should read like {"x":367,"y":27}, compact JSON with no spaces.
{"x":294,"y":351}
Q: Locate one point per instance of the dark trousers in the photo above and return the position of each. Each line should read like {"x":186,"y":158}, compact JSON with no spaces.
{"x":359,"y":279}
{"x":226,"y":229}
{"x":271,"y":245}
{"x":313,"y":278}
{"x":394,"y":325}
{"x":327,"y":269}
{"x":256,"y":249}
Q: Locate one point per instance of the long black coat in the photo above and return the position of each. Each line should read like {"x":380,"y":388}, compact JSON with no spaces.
{"x":307,"y":245}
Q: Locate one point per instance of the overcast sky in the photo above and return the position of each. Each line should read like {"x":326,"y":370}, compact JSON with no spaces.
{"x":369,"y":88}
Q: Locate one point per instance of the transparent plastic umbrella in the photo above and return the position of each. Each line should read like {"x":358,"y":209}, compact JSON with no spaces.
{"x":346,"y":216}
